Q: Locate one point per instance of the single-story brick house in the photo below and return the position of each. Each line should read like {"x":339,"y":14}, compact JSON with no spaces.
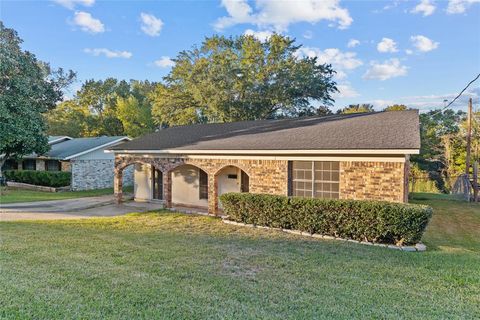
{"x":354,"y":156}
{"x":85,"y":158}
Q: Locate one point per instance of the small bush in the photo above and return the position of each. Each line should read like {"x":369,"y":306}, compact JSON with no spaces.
{"x":375,"y":221}
{"x":40,"y":178}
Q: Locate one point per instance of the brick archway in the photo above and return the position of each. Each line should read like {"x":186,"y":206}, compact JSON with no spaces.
{"x":120,"y":165}
{"x":265,"y":176}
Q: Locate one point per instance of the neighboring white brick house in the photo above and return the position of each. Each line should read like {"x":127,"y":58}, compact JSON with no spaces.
{"x":85,"y":158}
{"x":94,"y":170}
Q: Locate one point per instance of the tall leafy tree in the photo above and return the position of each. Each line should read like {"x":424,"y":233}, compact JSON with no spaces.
{"x":357,"y":108}
{"x":135,"y":110}
{"x":72,"y":119}
{"x":396,"y":107}
{"x":105,"y":107}
{"x":241,"y":78}
{"x":100,"y":97}
{"x":442,"y":152}
{"x":28,"y":89}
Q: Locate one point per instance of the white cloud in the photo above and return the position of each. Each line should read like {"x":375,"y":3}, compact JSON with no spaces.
{"x":426,"y":7}
{"x":164,"y":62}
{"x":387,"y":45}
{"x":423,"y":43}
{"x":388,"y":69}
{"x":308,"y":34}
{"x":260,"y":35}
{"x":108,"y":53}
{"x":88,"y":23}
{"x":280,"y":14}
{"x":409,"y":52}
{"x":459,"y":6}
{"x":352,"y":43}
{"x":70,"y":4}
{"x":151,"y":25}
{"x":380,"y":104}
{"x":345,"y":91}
{"x":339,"y":60}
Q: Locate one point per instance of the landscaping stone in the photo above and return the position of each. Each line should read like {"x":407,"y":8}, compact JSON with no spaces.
{"x":367,"y":243}
{"x":409,"y":249}
{"x":420,"y":247}
{"x":293,"y":231}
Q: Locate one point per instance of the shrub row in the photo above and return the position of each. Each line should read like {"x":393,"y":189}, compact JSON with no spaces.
{"x":362,"y":220}
{"x":40,"y":178}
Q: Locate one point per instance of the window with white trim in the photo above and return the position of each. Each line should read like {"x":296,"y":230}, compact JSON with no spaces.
{"x":315,"y":179}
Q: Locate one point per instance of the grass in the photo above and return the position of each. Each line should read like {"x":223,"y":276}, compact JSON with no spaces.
{"x":171,"y":266}
{"x":14,"y":195}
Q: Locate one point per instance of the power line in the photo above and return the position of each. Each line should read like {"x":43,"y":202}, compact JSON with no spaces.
{"x":458,"y":96}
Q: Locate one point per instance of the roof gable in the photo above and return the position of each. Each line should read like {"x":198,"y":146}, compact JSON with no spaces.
{"x":79,"y":146}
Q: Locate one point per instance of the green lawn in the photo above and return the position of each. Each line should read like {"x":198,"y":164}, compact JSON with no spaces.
{"x":12,"y":195}
{"x":173,"y":266}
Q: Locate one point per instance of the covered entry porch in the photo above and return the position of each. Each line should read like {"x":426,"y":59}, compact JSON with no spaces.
{"x":181,"y":183}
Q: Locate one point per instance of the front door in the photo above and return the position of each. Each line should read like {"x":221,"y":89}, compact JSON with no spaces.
{"x":157,"y":184}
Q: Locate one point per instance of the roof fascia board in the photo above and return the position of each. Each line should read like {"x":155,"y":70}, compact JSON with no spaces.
{"x":60,"y":139}
{"x":96,"y":148}
{"x":275,"y":152}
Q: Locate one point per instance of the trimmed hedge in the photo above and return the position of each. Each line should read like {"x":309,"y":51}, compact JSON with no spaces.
{"x":362,"y":220}
{"x":40,"y":178}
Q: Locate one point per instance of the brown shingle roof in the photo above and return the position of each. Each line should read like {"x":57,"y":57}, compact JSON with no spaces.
{"x":377,"y":130}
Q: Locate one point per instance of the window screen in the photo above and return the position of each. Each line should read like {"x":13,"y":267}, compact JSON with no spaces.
{"x":53,"y":165}
{"x":29,"y":164}
{"x":327,"y":177}
{"x":203,"y":184}
{"x":315,"y":179}
{"x":10,"y":165}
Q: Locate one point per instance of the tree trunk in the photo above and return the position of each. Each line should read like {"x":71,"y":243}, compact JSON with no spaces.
{"x":2,"y":161}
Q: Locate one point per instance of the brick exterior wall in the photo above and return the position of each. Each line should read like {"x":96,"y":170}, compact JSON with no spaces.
{"x":373,"y":180}
{"x":96,"y":174}
{"x":358,"y":179}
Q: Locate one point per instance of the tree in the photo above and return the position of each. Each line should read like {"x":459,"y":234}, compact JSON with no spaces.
{"x":105,"y":107}
{"x":100,"y":97}
{"x":442,"y":151}
{"x":396,"y":107}
{"x":357,"y":108}
{"x":241,"y":78}
{"x":135,"y":111}
{"x":28,"y":89}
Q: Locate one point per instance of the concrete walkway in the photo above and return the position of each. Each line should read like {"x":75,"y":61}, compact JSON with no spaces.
{"x":87,"y":207}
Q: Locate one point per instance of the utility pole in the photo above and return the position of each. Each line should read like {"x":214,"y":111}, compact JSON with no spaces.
{"x":469,"y":138}
{"x":475,"y":181}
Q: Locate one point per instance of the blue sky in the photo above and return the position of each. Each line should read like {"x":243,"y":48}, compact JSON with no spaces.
{"x":414,"y":52}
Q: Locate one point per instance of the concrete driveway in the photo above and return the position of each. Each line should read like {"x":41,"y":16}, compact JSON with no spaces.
{"x":103,"y":206}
